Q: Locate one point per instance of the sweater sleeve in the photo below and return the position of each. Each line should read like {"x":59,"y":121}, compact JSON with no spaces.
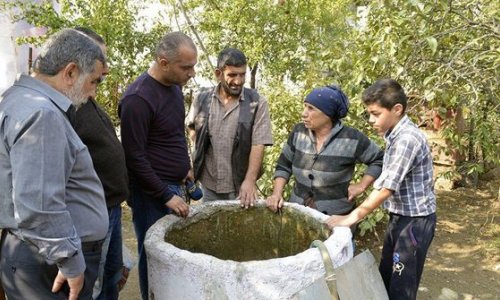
{"x":371,"y":155}
{"x":285,"y":161}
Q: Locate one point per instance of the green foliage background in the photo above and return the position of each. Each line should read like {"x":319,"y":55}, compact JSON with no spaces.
{"x":445,"y":54}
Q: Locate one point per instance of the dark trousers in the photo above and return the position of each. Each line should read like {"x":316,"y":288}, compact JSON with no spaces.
{"x":113,"y":256}
{"x":26,"y":275}
{"x":406,"y":242}
{"x":145,"y":212}
{"x":2,"y":293}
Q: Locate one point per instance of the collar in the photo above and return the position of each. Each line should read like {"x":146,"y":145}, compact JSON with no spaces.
{"x":333,"y":132}
{"x":54,"y":95}
{"x":390,"y":135}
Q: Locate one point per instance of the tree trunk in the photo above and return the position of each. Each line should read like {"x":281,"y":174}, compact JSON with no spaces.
{"x":253,"y":72}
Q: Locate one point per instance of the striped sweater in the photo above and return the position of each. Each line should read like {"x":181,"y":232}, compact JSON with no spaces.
{"x":325,"y":175}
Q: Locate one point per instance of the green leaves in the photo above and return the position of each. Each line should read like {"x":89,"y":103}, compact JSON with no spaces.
{"x":370,"y":222}
{"x":432,"y":42}
{"x":128,"y":45}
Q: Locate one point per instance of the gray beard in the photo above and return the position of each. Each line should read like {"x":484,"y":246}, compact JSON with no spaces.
{"x":76,"y":94}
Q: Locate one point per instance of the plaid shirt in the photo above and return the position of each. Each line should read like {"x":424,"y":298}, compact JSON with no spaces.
{"x":407,"y":170}
{"x":217,"y":175}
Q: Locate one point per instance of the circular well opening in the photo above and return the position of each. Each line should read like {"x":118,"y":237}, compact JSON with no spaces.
{"x":232,"y":233}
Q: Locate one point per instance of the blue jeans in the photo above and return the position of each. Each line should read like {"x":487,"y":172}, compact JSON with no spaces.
{"x":145,"y":212}
{"x":112,"y":259}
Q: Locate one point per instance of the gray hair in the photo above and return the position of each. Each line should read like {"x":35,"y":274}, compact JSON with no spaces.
{"x":68,"y":46}
{"x":170,"y":44}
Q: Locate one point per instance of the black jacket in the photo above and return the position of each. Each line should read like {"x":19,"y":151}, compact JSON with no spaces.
{"x":96,"y":131}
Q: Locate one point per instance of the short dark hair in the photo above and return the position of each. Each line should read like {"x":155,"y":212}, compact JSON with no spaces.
{"x":169,"y":45}
{"x":231,"y":57}
{"x":385,"y":92}
{"x":64,"y":47}
{"x":91,"y":34}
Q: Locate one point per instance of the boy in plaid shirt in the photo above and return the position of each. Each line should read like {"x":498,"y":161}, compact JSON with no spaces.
{"x":405,"y":187}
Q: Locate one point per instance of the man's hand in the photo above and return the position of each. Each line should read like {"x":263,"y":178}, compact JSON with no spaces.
{"x":190,"y":175}
{"x":334,"y":221}
{"x":354,"y":190}
{"x":75,"y":284}
{"x":178,"y":206}
{"x":248,"y":193}
{"x":274,"y":202}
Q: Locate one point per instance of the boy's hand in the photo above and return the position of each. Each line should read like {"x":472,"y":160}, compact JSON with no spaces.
{"x":335,"y":221}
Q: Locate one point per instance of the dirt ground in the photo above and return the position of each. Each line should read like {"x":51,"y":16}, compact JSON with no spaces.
{"x":463,"y":261}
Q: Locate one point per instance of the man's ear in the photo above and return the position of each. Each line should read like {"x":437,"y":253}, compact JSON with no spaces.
{"x":70,"y":74}
{"x":163,"y":63}
{"x":218,"y":72}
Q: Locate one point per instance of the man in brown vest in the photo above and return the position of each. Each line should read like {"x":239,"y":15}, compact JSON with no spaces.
{"x":229,"y":121}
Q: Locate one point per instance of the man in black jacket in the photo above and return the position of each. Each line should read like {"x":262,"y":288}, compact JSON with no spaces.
{"x":95,"y":129}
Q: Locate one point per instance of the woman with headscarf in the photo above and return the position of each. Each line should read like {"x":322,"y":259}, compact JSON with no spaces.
{"x":321,"y":152}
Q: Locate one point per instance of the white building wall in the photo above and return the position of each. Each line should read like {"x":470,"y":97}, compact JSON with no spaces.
{"x":9,"y":65}
{"x":14,"y":58}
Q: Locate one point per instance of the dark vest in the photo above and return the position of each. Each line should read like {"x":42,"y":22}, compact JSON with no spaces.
{"x":242,"y":142}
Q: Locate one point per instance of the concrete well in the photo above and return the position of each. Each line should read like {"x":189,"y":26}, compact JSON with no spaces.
{"x":224,"y":252}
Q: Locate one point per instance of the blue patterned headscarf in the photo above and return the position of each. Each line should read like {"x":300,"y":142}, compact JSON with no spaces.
{"x":330,"y":100}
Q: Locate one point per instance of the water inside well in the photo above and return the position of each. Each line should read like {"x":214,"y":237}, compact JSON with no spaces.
{"x":252,"y":234}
